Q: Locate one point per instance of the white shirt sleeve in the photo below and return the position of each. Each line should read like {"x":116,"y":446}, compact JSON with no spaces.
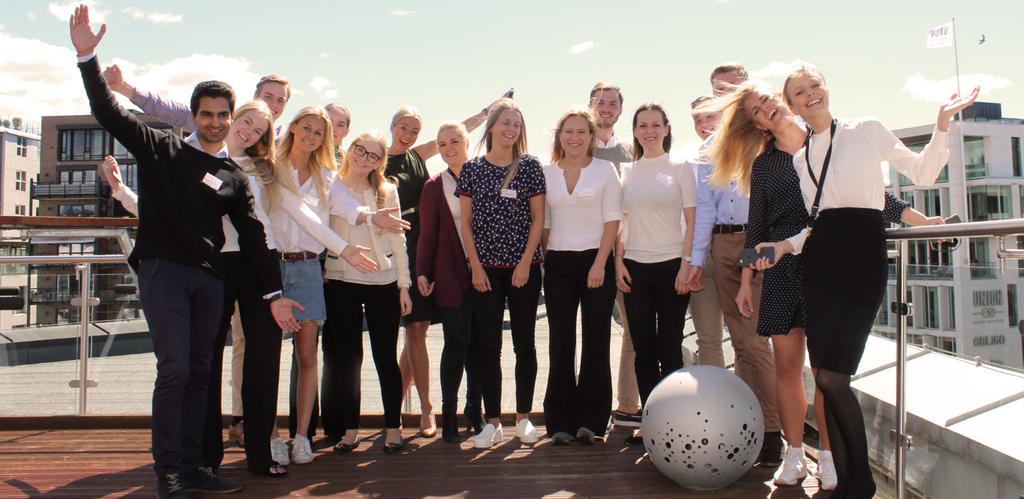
{"x":127,"y":198}
{"x":342,"y":203}
{"x":921,"y":168}
{"x":309,"y":221}
{"x":257,"y":196}
{"x":798,"y":240}
{"x":611,"y":197}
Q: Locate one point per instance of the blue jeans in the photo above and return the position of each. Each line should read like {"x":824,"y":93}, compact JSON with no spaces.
{"x":183,"y":307}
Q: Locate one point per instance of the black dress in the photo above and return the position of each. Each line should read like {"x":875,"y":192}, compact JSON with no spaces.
{"x":777,"y":212}
{"x":409,"y":172}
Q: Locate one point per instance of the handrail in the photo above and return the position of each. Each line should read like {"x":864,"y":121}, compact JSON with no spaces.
{"x":965,"y":229}
{"x":62,"y":259}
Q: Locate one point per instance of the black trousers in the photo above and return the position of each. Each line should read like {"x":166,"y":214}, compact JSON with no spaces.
{"x":570,"y":402}
{"x":343,"y":352}
{"x":183,"y":307}
{"x":656,"y":316}
{"x":457,"y":323}
{"x":488,"y":319}
{"x":259,"y":381}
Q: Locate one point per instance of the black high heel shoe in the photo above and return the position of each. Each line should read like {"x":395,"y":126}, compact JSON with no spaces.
{"x":450,"y":428}
{"x":474,"y":419}
{"x":393,"y":447}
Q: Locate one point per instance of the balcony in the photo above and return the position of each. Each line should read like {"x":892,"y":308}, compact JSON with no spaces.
{"x":944,"y":272}
{"x":67,"y":191}
{"x":976,"y":170}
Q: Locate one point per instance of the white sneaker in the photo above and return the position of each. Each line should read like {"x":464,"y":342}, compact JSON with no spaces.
{"x":302,"y":451}
{"x":526,"y":433}
{"x":491,"y":435}
{"x":793,"y":467}
{"x":279,"y":451}
{"x":827,"y":479}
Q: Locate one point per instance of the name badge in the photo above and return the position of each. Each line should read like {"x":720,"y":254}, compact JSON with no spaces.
{"x":586,"y":193}
{"x":212,"y":182}
{"x":508,"y":193}
{"x":665,"y":179}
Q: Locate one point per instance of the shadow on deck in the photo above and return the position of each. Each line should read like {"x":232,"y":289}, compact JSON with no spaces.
{"x":93,"y":463}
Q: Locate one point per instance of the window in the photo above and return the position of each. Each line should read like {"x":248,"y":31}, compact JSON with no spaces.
{"x":83,"y":145}
{"x":1018,"y":170}
{"x":979,"y":259}
{"x":989,"y":202}
{"x":19,"y":209}
{"x":20,"y":180}
{"x":918,"y":145}
{"x":931,"y":307}
{"x":949,"y":305}
{"x":1011,"y":304}
{"x":76,"y":249}
{"x":933,"y":201}
{"x":22,"y":149}
{"x":76,"y":210}
{"x":946,"y":344}
{"x":927,"y":259}
{"x":908,"y":196}
{"x":13,"y":268}
{"x":974,"y":157}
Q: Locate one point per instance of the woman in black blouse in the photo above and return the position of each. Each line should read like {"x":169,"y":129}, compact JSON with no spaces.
{"x":756,"y":119}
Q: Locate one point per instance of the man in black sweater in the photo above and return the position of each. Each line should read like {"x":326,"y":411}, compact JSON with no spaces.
{"x":184,"y":192}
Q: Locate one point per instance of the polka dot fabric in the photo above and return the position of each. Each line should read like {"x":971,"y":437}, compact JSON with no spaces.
{"x":501,"y":224}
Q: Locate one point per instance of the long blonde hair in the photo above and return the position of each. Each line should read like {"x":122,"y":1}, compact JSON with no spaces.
{"x":557,"y":153}
{"x":264,"y":151}
{"x":376,"y":177}
{"x":518,"y":149}
{"x":738,"y":142}
{"x":321,"y":160}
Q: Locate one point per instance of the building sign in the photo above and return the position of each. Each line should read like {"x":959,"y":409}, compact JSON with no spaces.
{"x":988,"y":308}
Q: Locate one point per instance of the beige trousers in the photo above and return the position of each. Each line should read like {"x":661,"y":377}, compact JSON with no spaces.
{"x":237,"y":356}
{"x":707,"y":318}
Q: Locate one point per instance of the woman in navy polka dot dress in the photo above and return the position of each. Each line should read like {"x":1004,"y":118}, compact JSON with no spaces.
{"x":502,"y":200}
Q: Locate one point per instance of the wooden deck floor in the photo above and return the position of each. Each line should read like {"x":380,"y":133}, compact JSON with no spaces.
{"x":116,"y":463}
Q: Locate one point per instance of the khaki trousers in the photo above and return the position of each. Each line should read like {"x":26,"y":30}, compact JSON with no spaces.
{"x":237,"y":355}
{"x":707,"y":318}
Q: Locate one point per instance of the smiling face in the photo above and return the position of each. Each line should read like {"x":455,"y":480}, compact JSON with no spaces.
{"x":247,"y":129}
{"x":705,"y":124}
{"x":650,"y":130}
{"x":309,"y":133}
{"x":765,"y":109}
{"x":404,"y":133}
{"x":506,"y":129}
{"x":807,"y":95}
{"x":366,"y":156}
{"x":607,"y":107}
{"x":453,"y":147}
{"x":275,"y":95}
{"x":339,"y":124}
{"x":213,"y":119}
{"x":575,"y":137}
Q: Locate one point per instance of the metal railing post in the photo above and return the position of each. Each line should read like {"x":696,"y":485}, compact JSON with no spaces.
{"x":84,"y":276}
{"x":900,"y":436}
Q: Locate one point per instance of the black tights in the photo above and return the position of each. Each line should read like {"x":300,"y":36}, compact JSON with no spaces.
{"x":845,"y":423}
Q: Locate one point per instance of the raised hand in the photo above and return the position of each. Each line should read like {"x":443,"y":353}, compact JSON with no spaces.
{"x":82,"y":35}
{"x":955,"y":105}
{"x":115,"y":80}
{"x":111,"y":172}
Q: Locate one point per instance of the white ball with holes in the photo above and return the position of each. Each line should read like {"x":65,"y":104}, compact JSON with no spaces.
{"x":703,"y":427}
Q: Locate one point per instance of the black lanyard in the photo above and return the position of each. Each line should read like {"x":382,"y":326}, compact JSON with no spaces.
{"x":824,"y":168}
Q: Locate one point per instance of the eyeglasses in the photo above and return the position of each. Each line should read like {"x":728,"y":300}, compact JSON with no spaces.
{"x":362,"y":152}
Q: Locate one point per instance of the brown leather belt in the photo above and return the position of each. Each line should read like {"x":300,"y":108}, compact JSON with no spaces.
{"x":728,"y":229}
{"x":298,"y":256}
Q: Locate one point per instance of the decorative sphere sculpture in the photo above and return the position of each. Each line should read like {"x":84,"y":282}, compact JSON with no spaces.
{"x":702,"y":427}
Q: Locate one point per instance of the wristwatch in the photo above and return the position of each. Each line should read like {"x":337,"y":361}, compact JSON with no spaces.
{"x":687,"y":259}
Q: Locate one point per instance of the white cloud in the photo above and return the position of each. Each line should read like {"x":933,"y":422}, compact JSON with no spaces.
{"x":32,"y":15}
{"x":155,"y":17}
{"x":319,"y":83}
{"x":924,"y":89}
{"x":325,"y":55}
{"x":331,"y":94}
{"x":581,"y":47}
{"x":63,"y":11}
{"x":37,"y":78}
{"x":401,"y":12}
{"x":774,"y":69}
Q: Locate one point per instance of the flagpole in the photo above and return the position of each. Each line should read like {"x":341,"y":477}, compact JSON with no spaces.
{"x":956,"y":58}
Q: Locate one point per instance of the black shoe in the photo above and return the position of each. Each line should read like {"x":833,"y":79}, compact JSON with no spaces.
{"x":170,"y":486}
{"x":204,"y":479}
{"x":585,"y":436}
{"x":771,"y":450}
{"x":393,"y":447}
{"x":450,"y":428}
{"x":620,"y":418}
{"x":474,"y":419}
{"x":344,"y":448}
{"x":634,"y":439}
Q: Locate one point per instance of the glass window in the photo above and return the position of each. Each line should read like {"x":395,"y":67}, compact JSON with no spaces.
{"x":1011,"y":303}
{"x":120,"y":152}
{"x":989,"y":202}
{"x":946,"y":344}
{"x":78,"y":144}
{"x":76,"y":210}
{"x":20,"y":180}
{"x":933,"y":202}
{"x":97,"y":144}
{"x":931,"y":307}
{"x":1018,"y":171}
{"x":22,"y":149}
{"x":65,"y":146}
{"x":950,"y":307}
{"x":980,"y":263}
{"x":908,"y":196}
{"x":974,"y":157}
{"x":918,"y":147}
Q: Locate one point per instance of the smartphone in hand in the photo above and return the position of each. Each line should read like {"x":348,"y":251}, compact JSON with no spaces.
{"x":953,"y":219}
{"x":750,"y":256}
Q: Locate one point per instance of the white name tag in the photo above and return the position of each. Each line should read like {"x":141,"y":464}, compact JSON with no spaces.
{"x":665,"y":179}
{"x":508,"y":193}
{"x":586,"y":193}
{"x":212,"y":182}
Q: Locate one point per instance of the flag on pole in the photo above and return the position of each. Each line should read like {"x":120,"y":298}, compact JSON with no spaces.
{"x":940,"y":36}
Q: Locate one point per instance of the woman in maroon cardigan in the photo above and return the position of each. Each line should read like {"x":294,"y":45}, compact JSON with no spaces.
{"x":443,"y":272}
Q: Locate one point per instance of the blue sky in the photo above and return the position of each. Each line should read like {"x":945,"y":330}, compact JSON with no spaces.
{"x":449,"y":58}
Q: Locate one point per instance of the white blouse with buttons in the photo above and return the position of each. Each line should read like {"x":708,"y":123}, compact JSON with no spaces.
{"x":576,"y":219}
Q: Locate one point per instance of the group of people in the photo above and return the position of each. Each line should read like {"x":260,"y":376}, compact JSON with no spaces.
{"x":235,"y":219}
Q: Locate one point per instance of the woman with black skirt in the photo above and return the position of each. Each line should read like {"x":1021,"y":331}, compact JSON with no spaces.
{"x":841,"y":182}
{"x":776,"y":213}
{"x":584,"y":207}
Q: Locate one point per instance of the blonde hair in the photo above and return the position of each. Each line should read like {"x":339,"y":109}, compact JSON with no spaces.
{"x":264,"y":151}
{"x":557,"y":153}
{"x":518,"y":149}
{"x":320,"y":160}
{"x":406,"y":112}
{"x":800,"y":68}
{"x":454,"y":125}
{"x":376,"y":176}
{"x":738,"y":141}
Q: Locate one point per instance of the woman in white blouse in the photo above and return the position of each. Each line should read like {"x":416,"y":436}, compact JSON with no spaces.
{"x":382,"y":294}
{"x":652,"y":259}
{"x":584,"y":207}
{"x":842,"y":185}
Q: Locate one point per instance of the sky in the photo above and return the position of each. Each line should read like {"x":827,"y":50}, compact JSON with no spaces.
{"x":450,"y":58}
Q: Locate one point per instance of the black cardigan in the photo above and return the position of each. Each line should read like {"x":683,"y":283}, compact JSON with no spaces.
{"x":179,"y":214}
